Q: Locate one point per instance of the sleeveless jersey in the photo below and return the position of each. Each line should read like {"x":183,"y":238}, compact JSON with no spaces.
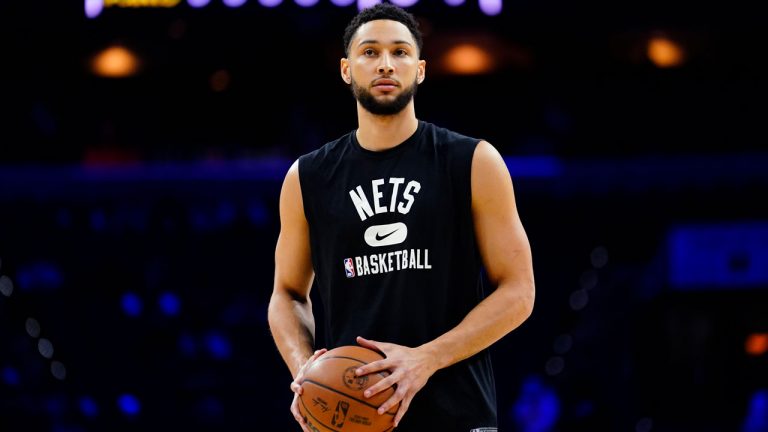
{"x":395,"y":259}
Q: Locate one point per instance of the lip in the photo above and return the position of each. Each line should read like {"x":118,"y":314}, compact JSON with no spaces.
{"x":388,"y":83}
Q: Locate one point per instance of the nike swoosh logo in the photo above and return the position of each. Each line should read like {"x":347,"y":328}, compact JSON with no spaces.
{"x":380,"y":238}
{"x":386,"y":235}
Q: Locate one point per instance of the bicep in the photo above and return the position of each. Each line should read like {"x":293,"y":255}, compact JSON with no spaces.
{"x":501,"y":238}
{"x":293,"y":259}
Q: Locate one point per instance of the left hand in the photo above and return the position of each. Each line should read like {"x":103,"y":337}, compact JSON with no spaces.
{"x":409,"y":368}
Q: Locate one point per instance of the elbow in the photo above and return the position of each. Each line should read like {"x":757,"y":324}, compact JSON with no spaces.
{"x":529,"y":299}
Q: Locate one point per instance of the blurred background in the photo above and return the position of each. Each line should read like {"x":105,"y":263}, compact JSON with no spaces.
{"x":144,"y":143}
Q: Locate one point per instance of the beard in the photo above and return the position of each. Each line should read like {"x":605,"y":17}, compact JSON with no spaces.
{"x":369,"y":102}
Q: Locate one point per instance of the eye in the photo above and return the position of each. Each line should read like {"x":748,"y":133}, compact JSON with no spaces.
{"x":401,"y":52}
{"x":369,"y":52}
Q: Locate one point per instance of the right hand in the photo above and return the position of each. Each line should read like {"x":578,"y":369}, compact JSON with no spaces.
{"x":297,"y":390}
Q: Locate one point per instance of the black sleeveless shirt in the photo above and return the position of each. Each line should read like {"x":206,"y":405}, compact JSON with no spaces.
{"x":395,"y":259}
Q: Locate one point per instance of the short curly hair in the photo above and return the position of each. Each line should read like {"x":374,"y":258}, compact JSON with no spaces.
{"x":379,"y":11}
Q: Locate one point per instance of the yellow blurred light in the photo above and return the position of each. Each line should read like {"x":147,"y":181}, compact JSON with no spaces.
{"x":141,"y":3}
{"x":756,"y":344}
{"x":665,"y":53}
{"x":115,"y":62}
{"x":468,"y":59}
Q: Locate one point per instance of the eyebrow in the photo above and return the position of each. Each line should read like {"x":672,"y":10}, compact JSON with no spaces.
{"x":374,"y":41}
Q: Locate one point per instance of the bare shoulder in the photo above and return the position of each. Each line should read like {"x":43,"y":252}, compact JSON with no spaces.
{"x":487,"y":156}
{"x":291,"y":205}
{"x":490,"y":176}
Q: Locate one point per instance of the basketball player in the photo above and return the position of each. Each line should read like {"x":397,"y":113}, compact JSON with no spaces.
{"x":392,"y":222}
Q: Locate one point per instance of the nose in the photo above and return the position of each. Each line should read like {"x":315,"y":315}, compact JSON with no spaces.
{"x":385,"y":67}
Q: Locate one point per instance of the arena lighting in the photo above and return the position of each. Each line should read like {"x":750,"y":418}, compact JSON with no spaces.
{"x":94,"y":8}
{"x":115,"y":62}
{"x":468,"y":59}
{"x":756,"y":344}
{"x":664,"y":52}
{"x":404,"y":3}
{"x":490,"y":7}
{"x":129,"y":404}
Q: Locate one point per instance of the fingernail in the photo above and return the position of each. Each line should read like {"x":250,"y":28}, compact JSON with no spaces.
{"x":359,"y":372}
{"x":367,"y":393}
{"x":381,"y":411}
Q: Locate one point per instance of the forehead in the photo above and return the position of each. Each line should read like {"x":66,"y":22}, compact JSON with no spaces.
{"x":383,"y":31}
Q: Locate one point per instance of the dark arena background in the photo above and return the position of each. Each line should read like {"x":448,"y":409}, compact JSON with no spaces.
{"x":143,"y":145}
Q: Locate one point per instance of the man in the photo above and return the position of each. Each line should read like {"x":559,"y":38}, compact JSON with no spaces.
{"x":392,"y":222}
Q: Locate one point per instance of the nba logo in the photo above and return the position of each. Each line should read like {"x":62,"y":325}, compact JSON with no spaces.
{"x":349,"y":268}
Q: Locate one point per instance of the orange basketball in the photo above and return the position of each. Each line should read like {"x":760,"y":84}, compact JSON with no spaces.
{"x":332,"y":399}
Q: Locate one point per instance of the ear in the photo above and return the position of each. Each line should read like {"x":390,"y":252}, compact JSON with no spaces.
{"x":344,"y":69}
{"x":421,"y":74}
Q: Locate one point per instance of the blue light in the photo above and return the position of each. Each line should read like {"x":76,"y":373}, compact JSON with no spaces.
{"x":533,"y":166}
{"x":132,"y":304}
{"x":88,"y":407}
{"x":198,"y":3}
{"x":537,"y":407}
{"x":129,"y":404}
{"x":218,"y":345}
{"x":717,"y":256}
{"x":41,"y":276}
{"x":756,"y":419}
{"x":169,"y":303}
{"x":11,"y":376}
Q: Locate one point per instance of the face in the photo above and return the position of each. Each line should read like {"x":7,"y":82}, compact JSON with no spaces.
{"x":383,"y":67}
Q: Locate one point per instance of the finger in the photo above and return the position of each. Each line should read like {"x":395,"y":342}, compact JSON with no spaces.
{"x":392,"y":401}
{"x":401,"y":411}
{"x":381,"y":386}
{"x":296,"y":388}
{"x":295,"y":410}
{"x":299,"y":418}
{"x":375,"y":366}
{"x":371,"y":344}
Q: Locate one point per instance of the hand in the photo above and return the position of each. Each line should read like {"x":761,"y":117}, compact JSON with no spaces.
{"x":409,"y":368}
{"x":297,"y":390}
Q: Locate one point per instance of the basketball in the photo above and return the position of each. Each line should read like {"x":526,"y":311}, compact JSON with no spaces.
{"x":332,"y":399}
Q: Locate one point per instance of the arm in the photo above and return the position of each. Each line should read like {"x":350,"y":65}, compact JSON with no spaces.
{"x":506,"y":256}
{"x":290,"y":309}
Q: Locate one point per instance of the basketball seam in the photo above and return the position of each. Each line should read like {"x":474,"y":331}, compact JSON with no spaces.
{"x":346,"y":395}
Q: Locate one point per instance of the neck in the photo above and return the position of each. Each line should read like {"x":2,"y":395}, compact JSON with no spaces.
{"x":377,"y":133}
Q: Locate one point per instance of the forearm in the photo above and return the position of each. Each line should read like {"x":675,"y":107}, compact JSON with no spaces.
{"x":293,"y":329}
{"x":498,"y":314}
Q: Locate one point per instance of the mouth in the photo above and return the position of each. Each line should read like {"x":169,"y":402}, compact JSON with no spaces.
{"x":385,"y":84}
